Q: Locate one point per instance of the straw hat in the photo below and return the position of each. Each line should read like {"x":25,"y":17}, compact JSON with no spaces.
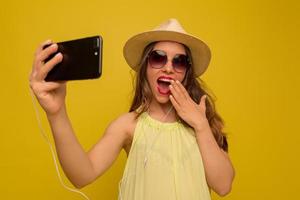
{"x":170,"y":30}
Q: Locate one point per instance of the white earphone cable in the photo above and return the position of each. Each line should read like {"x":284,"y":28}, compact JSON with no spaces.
{"x":124,"y":179}
{"x":51,"y":148}
{"x":149,"y":150}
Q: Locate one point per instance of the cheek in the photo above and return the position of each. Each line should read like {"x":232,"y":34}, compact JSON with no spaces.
{"x":180,"y":76}
{"x":150,"y":76}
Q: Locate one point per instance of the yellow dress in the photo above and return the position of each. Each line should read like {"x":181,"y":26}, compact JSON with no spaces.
{"x":164,"y":163}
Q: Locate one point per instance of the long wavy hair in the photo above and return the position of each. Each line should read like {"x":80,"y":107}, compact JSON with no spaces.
{"x":194,"y":86}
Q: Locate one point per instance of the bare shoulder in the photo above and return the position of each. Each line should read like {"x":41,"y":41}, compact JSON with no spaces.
{"x":117,"y":136}
{"x":125,"y":124}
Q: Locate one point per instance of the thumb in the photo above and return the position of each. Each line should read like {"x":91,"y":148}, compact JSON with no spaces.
{"x":202,"y":102}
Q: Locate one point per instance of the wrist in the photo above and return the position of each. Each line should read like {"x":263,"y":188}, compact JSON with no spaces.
{"x":202,"y":127}
{"x":58,"y":114}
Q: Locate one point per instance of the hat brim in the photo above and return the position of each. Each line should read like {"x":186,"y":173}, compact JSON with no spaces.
{"x":200,"y":52}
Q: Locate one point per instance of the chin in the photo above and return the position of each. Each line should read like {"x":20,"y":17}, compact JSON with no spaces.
{"x":162,"y":99}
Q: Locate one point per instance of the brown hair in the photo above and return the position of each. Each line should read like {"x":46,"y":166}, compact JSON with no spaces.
{"x":194,"y":86}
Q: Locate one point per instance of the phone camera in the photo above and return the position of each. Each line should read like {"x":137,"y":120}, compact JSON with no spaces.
{"x":96,"y":44}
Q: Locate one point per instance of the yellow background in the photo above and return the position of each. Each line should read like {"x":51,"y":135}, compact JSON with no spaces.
{"x":254,"y":74}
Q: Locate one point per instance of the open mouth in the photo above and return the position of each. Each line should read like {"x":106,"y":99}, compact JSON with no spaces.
{"x":163,"y":85}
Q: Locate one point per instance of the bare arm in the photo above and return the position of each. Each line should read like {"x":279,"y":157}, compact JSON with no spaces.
{"x":218,"y":168}
{"x":73,"y":159}
{"x":80,"y":167}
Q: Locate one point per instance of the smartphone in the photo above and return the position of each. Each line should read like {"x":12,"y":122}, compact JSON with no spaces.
{"x":82,"y":59}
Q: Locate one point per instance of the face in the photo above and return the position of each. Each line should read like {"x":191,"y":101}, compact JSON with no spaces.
{"x":159,"y":73}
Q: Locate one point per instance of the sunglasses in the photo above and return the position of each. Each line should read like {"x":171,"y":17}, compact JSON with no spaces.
{"x":158,"y":59}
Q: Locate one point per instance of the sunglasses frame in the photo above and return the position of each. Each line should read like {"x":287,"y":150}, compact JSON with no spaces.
{"x":165,"y":55}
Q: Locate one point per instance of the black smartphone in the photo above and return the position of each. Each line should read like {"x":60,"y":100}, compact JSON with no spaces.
{"x":82,"y":59}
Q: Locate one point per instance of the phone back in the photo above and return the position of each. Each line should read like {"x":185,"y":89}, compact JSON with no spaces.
{"x":82,"y":59}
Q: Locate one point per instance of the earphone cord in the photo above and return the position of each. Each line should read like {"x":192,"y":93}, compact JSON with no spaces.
{"x":145,"y":159}
{"x":51,"y":148}
{"x":148,"y":152}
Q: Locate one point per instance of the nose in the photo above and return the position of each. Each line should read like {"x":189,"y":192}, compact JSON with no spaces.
{"x":168,"y":67}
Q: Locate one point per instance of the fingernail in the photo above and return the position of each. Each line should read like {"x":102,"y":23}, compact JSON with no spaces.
{"x":54,"y":45}
{"x":177,"y":81}
{"x":58,"y":55}
{"x":48,"y":41}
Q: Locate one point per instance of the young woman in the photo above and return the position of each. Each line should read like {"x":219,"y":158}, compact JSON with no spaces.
{"x":172,"y":134}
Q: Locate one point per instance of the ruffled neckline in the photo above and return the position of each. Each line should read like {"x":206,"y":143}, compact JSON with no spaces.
{"x":159,"y":124}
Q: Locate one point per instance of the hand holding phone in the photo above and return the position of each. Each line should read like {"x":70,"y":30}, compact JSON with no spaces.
{"x":76,"y":61}
{"x":50,"y":95}
{"x":82,"y":59}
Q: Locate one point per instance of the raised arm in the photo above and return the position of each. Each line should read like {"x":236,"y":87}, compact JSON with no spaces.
{"x":80,"y":167}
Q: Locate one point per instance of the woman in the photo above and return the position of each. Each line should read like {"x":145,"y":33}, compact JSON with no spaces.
{"x":172,"y":134}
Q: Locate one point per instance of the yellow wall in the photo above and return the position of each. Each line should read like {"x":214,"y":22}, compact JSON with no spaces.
{"x":253,"y":73}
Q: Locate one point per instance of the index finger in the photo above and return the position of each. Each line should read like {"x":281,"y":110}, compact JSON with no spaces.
{"x":41,"y":46}
{"x":182,"y":89}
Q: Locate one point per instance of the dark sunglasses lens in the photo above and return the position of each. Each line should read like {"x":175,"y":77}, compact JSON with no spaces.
{"x":157,"y":59}
{"x":180,"y":63}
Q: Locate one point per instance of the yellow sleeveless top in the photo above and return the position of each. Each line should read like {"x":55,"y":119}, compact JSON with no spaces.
{"x":164,"y":163}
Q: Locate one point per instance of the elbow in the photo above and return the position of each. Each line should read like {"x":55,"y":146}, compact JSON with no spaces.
{"x":223,"y":188}
{"x":223,"y":191}
{"x":81,"y":184}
